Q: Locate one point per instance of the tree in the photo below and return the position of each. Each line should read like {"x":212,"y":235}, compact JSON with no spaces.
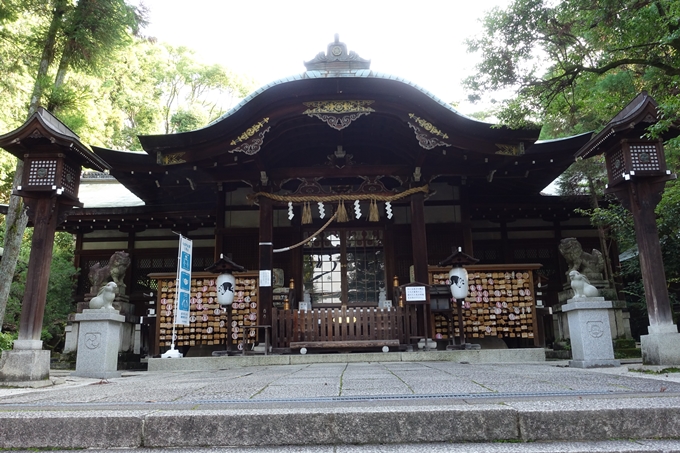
{"x":574,"y":65}
{"x":556,"y":53}
{"x":82,"y":33}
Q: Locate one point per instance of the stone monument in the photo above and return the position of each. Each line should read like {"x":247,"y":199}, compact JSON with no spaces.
{"x":588,"y":319}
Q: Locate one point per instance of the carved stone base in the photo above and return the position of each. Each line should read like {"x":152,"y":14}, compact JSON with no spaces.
{"x":619,"y":321}
{"x":23,"y":365}
{"x":591,"y":341}
{"x":98,"y":344}
{"x":662,"y":348}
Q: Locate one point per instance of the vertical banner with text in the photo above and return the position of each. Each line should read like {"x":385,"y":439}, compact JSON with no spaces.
{"x":183,"y":281}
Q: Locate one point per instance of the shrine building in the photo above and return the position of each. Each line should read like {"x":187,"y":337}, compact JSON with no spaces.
{"x":344,"y":184}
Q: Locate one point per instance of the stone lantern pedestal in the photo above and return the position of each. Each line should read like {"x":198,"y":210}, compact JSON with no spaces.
{"x":591,"y":339}
{"x":98,"y":341}
{"x":21,"y":365}
{"x":661,"y":346}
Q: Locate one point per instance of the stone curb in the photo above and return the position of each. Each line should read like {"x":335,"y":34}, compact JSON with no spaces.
{"x":642,"y":418}
{"x":525,"y":355}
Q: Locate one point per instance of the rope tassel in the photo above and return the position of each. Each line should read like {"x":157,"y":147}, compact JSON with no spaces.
{"x":306,"y":213}
{"x":342,"y":212}
{"x":373,"y":214}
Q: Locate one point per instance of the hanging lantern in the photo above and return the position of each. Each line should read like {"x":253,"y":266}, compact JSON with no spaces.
{"x":226,"y":282}
{"x":225,"y":289}
{"x":458,"y":277}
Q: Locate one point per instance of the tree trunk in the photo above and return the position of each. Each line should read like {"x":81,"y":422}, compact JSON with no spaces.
{"x":16,"y":219}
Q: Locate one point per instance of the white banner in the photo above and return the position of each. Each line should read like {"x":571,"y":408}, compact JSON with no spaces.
{"x":183,"y":293}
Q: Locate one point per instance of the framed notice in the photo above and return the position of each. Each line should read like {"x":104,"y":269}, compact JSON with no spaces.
{"x":415,"y":294}
{"x":265,"y":278}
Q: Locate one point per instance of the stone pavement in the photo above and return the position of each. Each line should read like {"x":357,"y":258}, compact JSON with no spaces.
{"x":383,"y":406}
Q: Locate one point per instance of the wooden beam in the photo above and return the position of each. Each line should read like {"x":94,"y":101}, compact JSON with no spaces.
{"x":266,"y":259}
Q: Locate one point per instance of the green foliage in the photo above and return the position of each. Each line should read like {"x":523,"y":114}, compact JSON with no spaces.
{"x":93,"y":30}
{"x":6,"y":340}
{"x":661,"y":371}
{"x":584,"y":177}
{"x":576,"y":63}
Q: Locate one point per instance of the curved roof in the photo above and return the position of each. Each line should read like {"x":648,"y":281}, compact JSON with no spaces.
{"x":338,"y":121}
{"x":55,"y":136}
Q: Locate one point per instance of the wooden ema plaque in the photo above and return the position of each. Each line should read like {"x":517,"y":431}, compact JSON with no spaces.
{"x":501,"y":302}
{"x":208,"y":320}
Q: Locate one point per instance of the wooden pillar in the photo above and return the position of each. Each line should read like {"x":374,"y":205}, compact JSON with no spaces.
{"x":295,"y":264}
{"x":465,"y":220}
{"x":419,"y":237}
{"x":419,"y":244}
{"x":219,"y":222}
{"x":266,"y":258}
{"x":507,"y":252}
{"x":77,"y":254}
{"x":132,"y":237}
{"x":641,"y":197}
{"x":44,"y":212}
{"x":390,"y":267}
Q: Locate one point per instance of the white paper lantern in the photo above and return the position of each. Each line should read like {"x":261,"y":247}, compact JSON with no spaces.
{"x":225,"y":289}
{"x":458,"y":277}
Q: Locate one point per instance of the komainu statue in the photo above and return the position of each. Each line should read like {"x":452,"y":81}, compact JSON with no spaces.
{"x":115,"y":269}
{"x":588,"y":264}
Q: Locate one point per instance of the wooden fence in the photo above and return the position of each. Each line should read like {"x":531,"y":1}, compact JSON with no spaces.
{"x":343,"y":324}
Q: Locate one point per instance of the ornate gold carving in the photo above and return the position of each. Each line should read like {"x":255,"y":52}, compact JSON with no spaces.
{"x":338,"y":114}
{"x":338,"y":122}
{"x":510,"y":150}
{"x":252,"y":130}
{"x":253,"y":145}
{"x":337,"y":107}
{"x":172,"y":159}
{"x":425,"y":140}
{"x":429,"y":127}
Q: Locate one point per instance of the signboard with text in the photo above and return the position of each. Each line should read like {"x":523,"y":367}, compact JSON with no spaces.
{"x":183,"y":281}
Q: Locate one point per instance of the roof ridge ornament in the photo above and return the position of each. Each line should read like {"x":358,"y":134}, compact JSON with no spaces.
{"x":337,"y":59}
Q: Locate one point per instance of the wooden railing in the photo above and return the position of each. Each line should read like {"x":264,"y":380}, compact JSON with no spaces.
{"x":342,"y":324}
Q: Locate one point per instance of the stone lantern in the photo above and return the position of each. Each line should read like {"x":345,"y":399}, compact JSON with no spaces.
{"x":637,"y":173}
{"x":53,"y":157}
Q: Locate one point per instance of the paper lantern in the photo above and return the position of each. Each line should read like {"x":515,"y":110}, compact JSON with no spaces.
{"x":225,"y":289}
{"x":458,"y":277}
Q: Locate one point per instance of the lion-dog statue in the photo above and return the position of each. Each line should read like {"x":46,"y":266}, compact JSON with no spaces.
{"x":115,"y":269}
{"x":588,"y":264}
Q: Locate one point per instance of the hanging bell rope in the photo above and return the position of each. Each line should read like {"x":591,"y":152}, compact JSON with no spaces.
{"x":318,"y":232}
{"x":306,"y":213}
{"x":342,"y":212}
{"x":373,"y":214}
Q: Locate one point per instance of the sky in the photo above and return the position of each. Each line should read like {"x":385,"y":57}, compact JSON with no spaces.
{"x":422,"y":41}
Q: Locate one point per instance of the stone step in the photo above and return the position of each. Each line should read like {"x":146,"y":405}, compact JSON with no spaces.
{"x":98,"y":425}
